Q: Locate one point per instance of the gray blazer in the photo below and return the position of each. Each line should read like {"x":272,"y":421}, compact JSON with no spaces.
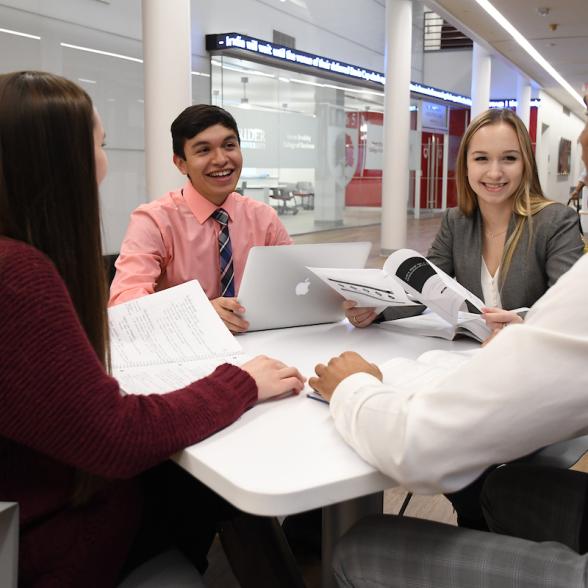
{"x":556,"y":245}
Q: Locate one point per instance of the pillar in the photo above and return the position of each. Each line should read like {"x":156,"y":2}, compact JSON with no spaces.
{"x":481,"y":70}
{"x":396,"y":124}
{"x":168,"y":87}
{"x":524,"y":99}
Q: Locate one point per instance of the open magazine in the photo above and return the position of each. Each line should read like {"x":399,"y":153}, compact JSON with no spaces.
{"x":167,"y":340}
{"x":407,"y":277}
{"x":430,"y":324}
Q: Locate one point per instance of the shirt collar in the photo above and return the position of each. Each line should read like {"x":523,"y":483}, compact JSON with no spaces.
{"x":202,"y":208}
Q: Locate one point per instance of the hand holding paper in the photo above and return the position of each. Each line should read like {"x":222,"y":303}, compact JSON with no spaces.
{"x":359,"y":316}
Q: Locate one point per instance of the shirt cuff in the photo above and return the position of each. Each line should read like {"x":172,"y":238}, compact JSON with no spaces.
{"x":347,"y":396}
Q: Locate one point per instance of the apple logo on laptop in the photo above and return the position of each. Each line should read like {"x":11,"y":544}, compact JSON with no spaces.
{"x":302,"y":287}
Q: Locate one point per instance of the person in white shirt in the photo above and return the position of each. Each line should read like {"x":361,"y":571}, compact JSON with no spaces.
{"x":436,"y":426}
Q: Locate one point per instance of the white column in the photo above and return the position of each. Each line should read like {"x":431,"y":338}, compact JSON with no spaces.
{"x":396,"y":124}
{"x":51,"y":50}
{"x":523,"y":99}
{"x":168,"y":87}
{"x":445,"y":171}
{"x":418,"y":150}
{"x":481,"y":70}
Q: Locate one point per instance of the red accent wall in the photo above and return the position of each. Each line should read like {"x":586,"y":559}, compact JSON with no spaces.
{"x":459,"y":119}
{"x":365,"y":187}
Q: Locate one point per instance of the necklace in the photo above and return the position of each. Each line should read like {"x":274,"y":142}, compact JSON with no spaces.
{"x":493,"y":235}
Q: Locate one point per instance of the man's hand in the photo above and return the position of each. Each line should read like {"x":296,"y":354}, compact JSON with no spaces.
{"x":273,"y":377}
{"x":358,"y":316}
{"x":338,"y":369}
{"x":227,"y":309}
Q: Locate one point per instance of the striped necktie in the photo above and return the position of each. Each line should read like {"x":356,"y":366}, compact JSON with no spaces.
{"x":227,"y":286}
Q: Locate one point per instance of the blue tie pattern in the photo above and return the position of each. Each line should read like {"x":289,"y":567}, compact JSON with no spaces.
{"x":227,"y":285}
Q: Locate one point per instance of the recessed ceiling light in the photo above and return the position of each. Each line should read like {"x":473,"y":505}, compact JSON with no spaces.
{"x":526,"y":45}
{"x":99,"y":52}
{"x":19,"y":34}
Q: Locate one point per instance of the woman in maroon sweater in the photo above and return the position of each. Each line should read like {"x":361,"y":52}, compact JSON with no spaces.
{"x":72,"y":448}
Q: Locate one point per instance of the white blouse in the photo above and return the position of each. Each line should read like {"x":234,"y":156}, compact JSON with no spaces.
{"x":490,"y":290}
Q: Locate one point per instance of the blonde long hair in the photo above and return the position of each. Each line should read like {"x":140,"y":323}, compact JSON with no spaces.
{"x":528,"y":197}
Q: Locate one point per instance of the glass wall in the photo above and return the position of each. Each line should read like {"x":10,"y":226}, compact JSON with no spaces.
{"x":109,"y":67}
{"x":312,"y":148}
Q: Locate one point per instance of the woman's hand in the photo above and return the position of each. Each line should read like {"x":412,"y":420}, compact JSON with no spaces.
{"x":497,"y":318}
{"x":358,"y":316}
{"x":273,"y":377}
{"x":338,"y":369}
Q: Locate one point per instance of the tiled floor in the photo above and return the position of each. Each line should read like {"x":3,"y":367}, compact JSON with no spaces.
{"x":420,"y":234}
{"x":304,"y":220}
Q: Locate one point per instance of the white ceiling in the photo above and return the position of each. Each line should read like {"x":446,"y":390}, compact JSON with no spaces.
{"x":566,"y":48}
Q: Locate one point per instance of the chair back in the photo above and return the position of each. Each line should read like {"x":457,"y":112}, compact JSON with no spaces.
{"x":8,"y":544}
{"x":167,"y":570}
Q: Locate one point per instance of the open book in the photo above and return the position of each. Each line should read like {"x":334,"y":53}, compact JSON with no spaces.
{"x":167,"y":340}
{"x":430,"y":324}
{"x":407,"y":277}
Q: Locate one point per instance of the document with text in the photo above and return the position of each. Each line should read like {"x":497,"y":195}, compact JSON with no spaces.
{"x":406,"y":278}
{"x":169,"y":339}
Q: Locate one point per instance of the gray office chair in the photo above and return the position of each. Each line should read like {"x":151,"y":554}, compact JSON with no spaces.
{"x":287,"y":200}
{"x":305,"y":191}
{"x":562,"y":455}
{"x":167,"y":570}
{"x":8,"y":544}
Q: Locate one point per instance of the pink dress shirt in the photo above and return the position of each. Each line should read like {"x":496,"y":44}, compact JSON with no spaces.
{"x":174,"y":239}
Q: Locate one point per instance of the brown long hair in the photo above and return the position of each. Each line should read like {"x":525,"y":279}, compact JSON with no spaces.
{"x":528,"y":197}
{"x":48,"y":189}
{"x":49,"y":198}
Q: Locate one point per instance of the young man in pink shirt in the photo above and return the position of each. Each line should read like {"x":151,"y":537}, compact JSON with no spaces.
{"x":176,"y":238}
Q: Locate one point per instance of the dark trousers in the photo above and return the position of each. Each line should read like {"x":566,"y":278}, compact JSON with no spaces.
{"x":467,"y":504}
{"x":179,"y":511}
{"x":538,"y":503}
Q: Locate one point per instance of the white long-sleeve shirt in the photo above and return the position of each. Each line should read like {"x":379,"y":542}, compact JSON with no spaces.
{"x":435,"y":426}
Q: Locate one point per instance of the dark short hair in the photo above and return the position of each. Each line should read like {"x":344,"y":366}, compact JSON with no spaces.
{"x":198,"y":118}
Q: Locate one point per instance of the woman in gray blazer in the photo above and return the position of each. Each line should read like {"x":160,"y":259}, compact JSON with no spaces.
{"x":505,"y":242}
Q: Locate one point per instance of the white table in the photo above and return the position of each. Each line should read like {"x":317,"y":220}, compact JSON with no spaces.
{"x":285,"y":456}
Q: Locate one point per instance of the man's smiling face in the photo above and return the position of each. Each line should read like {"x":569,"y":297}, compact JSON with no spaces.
{"x":213,"y":162}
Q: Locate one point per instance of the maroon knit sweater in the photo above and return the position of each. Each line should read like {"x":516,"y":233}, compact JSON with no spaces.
{"x":60,"y":412}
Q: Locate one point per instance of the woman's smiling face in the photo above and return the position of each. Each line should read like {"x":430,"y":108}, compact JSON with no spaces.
{"x":495,"y":164}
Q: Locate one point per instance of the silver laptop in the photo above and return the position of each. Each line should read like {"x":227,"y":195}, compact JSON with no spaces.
{"x":278,"y":291}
